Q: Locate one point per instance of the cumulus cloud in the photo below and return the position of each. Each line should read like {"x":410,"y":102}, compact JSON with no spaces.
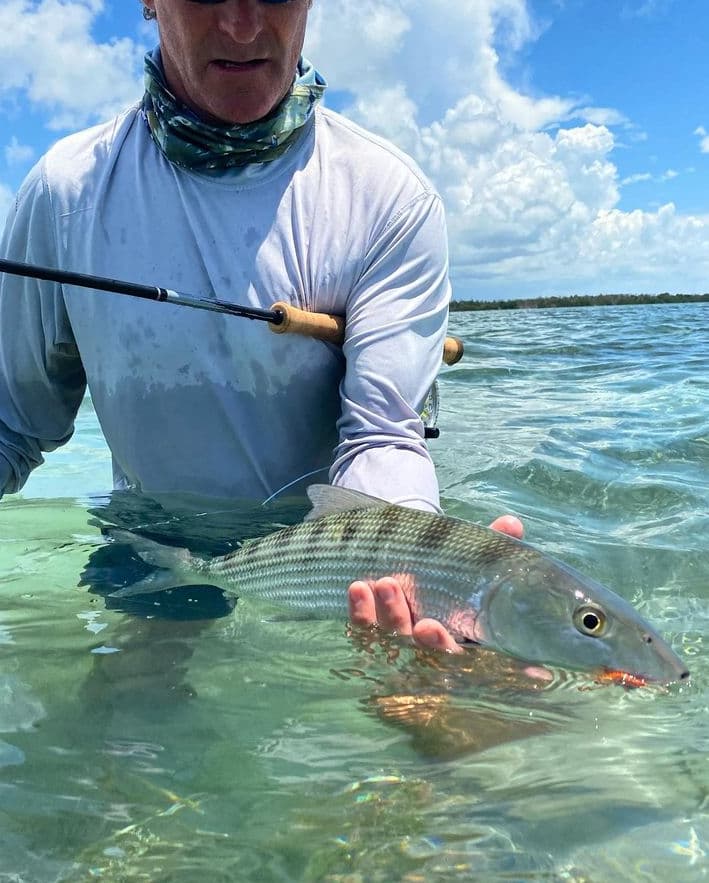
{"x":442,"y":52}
{"x":51,"y":60}
{"x":649,"y":246}
{"x":529,"y":181}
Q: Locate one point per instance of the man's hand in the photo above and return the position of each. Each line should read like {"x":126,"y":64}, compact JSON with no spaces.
{"x":382,"y":603}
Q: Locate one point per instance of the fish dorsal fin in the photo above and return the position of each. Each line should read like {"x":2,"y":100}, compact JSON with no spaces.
{"x":330,"y":500}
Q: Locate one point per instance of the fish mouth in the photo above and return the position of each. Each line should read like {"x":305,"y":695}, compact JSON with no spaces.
{"x":632,"y":681}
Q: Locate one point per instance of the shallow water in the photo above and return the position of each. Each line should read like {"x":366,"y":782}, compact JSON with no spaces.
{"x":254,"y":747}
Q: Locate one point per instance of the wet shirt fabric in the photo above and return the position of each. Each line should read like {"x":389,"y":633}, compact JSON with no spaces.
{"x":195,"y":402}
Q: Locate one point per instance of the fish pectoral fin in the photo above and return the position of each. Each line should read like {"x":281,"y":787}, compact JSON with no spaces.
{"x":330,"y":500}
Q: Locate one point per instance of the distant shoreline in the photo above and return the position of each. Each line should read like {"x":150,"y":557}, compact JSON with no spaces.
{"x":576,"y":300}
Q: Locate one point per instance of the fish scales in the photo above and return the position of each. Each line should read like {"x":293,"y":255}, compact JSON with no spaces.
{"x":377,"y":544}
{"x":311,"y":565}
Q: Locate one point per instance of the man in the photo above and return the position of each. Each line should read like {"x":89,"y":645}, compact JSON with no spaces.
{"x":228,"y":179}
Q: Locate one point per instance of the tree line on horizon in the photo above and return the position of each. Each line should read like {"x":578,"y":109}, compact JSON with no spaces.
{"x":576,"y":300}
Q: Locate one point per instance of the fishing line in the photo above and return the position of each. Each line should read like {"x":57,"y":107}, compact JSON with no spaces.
{"x":291,"y":483}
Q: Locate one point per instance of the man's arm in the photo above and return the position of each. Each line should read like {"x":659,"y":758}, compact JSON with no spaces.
{"x":396,"y":318}
{"x":42,"y":381}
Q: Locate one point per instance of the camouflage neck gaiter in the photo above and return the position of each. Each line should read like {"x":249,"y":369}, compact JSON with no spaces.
{"x":188,"y":141}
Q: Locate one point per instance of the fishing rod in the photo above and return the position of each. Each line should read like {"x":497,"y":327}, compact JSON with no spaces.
{"x":283,"y":318}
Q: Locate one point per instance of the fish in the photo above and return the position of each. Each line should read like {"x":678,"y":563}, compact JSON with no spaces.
{"x":486,"y":587}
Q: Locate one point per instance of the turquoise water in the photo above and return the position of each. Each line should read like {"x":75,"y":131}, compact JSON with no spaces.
{"x":256,"y":748}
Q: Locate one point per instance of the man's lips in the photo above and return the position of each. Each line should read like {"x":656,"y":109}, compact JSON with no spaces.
{"x":228,"y":65}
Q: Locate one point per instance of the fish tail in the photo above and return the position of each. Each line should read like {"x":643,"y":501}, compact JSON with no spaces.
{"x":176,"y":565}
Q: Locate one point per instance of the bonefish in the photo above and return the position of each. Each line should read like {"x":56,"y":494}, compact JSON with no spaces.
{"x":484,"y":586}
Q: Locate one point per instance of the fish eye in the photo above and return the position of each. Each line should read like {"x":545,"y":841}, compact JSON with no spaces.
{"x":590,"y":621}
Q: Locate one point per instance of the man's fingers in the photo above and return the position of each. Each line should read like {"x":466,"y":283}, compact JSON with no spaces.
{"x":430,"y":633}
{"x":362,"y":609}
{"x":393,"y":614}
{"x":509,"y":524}
{"x":382,"y":602}
{"x":379,"y":602}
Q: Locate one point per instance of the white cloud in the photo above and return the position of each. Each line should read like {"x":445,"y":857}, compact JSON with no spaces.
{"x":642,"y":177}
{"x":443,"y":52}
{"x":16,"y":153}
{"x":703,"y":139}
{"x":529,"y":182}
{"x":602,"y":116}
{"x":646,"y":8}
{"x":649,"y":245}
{"x":51,"y":60}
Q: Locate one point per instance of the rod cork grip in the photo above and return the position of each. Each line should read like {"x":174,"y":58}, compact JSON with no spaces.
{"x":453,"y":349}
{"x":321,"y":326}
{"x":324,"y":326}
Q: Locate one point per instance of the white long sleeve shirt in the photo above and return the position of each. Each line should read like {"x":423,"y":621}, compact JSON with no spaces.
{"x":202,"y":403}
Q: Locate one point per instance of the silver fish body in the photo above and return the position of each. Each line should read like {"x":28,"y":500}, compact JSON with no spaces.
{"x":484,"y":586}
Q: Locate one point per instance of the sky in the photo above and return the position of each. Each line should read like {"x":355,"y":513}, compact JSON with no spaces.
{"x":569,"y":139}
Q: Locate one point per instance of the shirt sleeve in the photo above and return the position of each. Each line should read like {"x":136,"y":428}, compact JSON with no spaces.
{"x":42,"y":381}
{"x":396,"y":319}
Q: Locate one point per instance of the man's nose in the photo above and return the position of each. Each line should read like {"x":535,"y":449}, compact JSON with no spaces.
{"x":241,"y":20}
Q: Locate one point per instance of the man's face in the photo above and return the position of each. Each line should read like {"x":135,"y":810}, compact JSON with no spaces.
{"x":230,"y":61}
